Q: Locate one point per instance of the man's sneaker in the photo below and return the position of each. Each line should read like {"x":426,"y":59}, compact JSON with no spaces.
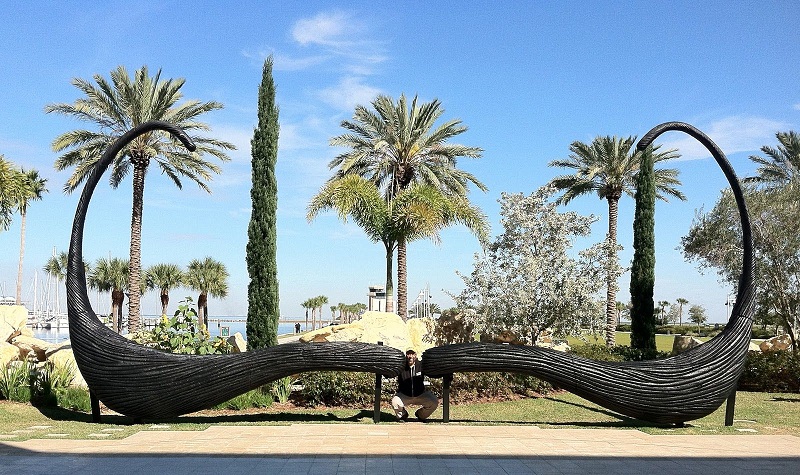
{"x":404,"y":417}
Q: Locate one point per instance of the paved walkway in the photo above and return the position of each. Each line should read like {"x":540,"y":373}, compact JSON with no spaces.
{"x":402,"y":449}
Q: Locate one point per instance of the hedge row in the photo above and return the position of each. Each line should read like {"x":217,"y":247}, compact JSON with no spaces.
{"x":339,"y":388}
{"x":773,"y":371}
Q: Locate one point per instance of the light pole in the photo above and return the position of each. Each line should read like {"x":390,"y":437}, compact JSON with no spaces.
{"x":729,"y":301}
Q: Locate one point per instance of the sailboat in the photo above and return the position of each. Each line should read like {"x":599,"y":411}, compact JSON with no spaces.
{"x":46,"y":312}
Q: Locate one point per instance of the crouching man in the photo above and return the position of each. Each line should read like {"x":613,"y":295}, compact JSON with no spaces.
{"x":411,"y":391}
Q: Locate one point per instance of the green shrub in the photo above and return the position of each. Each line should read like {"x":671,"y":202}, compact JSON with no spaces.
{"x":469,"y":387}
{"x":282,"y":389}
{"x":636,"y":354}
{"x":257,"y":398}
{"x":617,"y":353}
{"x":15,"y":382}
{"x":762,"y":333}
{"x":772,"y":371}
{"x":336,"y":388}
{"x":74,"y":399}
{"x":340,"y":388}
{"x":595,"y":352}
{"x":183,"y":333}
{"x":48,"y":382}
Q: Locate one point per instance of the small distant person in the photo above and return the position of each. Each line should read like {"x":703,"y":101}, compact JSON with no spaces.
{"x":411,"y":391}
{"x":297,"y":328}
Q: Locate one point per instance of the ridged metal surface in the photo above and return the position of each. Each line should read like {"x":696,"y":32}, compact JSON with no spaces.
{"x":673,"y":390}
{"x":145,"y":383}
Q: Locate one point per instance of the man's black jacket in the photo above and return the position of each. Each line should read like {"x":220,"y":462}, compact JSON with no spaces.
{"x":410,"y":381}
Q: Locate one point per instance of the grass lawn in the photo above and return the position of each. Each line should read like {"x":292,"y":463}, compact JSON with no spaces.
{"x":663,"y":342}
{"x":760,"y":413}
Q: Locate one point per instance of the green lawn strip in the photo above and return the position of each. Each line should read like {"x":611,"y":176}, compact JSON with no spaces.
{"x":762,"y":413}
{"x":663,"y":342}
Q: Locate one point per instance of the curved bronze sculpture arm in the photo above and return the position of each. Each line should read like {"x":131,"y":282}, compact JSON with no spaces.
{"x":145,"y":383}
{"x":673,"y":390}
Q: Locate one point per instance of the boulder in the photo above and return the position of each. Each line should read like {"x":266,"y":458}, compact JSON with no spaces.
{"x":504,"y":337}
{"x":29,"y":345}
{"x":13,"y":319}
{"x":561,"y":346}
{"x":420,"y":332}
{"x":238,"y":343}
{"x":8,"y":353}
{"x":682,"y":343}
{"x":373,"y":327}
{"x":776,"y":343}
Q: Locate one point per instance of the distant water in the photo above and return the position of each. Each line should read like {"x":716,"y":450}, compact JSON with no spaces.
{"x":216,"y":325}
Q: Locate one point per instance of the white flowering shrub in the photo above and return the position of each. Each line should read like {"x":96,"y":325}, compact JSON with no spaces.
{"x":530,"y":278}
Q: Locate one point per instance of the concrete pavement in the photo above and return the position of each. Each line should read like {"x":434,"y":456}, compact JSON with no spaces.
{"x":394,"y":448}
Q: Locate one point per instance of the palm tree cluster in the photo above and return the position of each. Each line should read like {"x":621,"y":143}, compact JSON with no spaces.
{"x":18,"y":188}
{"x":349,"y":312}
{"x":206,"y":276}
{"x":314,"y":304}
{"x":116,"y":107}
{"x":399,"y":180}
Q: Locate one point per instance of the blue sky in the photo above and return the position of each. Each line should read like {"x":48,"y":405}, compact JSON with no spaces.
{"x":527,"y":78}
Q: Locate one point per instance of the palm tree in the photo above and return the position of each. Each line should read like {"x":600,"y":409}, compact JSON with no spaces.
{"x":321,"y":302}
{"x":56,"y":267}
{"x":306,"y":305}
{"x":11,"y":185}
{"x":681,"y":302}
{"x":662,"y":305}
{"x":782,"y":165}
{"x":394,"y":146}
{"x":111,"y":275}
{"x":608,"y":168}
{"x":33,"y":187}
{"x":209,"y":277}
{"x":164,"y":277}
{"x":620,"y":307}
{"x":117,"y":107}
{"x":419,"y":211}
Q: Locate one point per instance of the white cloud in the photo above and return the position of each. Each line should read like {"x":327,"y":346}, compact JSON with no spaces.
{"x":350,"y":91}
{"x":340,"y":36}
{"x":286,"y":63}
{"x":327,"y":29}
{"x":797,"y":106}
{"x":732,"y":134}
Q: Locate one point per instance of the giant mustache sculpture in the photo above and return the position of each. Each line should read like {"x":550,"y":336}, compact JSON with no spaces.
{"x":146,"y":383}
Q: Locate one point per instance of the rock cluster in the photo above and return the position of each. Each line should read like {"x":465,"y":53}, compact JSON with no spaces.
{"x":414,"y":334}
{"x":373,"y":327}
{"x":18,"y":345}
{"x":776,"y":343}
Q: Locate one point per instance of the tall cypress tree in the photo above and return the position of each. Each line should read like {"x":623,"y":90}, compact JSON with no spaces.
{"x":643,"y":268}
{"x":262,"y":292}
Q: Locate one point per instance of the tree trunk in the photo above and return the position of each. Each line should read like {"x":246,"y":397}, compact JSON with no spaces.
{"x":117,"y":299}
{"x":389,"y":283}
{"x":164,"y":301}
{"x":135,"y":267}
{"x":402,"y":278}
{"x":611,"y":284}
{"x":21,"y":257}
{"x":202,"y":308}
